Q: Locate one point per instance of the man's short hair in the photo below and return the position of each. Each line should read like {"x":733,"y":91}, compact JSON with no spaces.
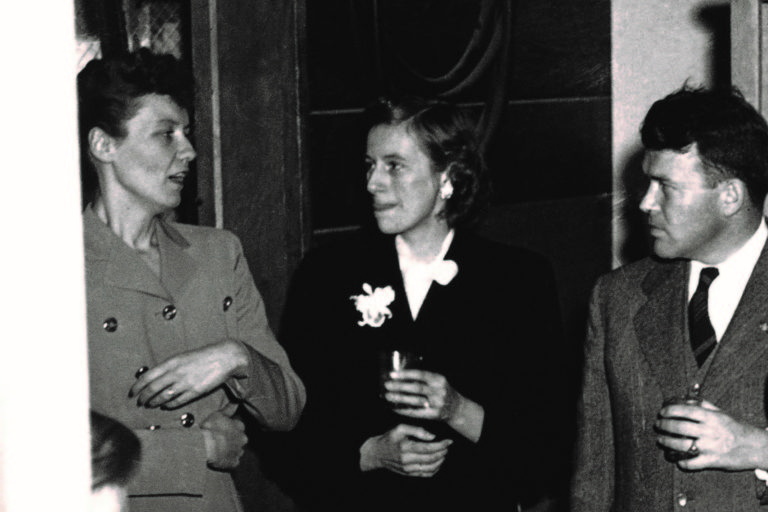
{"x":730,"y":135}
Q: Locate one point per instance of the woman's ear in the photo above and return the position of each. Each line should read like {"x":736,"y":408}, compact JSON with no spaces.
{"x":733,"y":196}
{"x":101,"y":145}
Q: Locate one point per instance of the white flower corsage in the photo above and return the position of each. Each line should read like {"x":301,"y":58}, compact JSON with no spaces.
{"x":373,"y":305}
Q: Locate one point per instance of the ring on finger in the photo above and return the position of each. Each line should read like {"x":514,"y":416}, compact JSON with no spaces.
{"x":693,"y":450}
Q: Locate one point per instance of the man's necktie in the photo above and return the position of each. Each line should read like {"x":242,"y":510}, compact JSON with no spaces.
{"x":703,"y":339}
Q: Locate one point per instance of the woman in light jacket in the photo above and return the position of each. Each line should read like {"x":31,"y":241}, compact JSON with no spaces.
{"x":177,"y":333}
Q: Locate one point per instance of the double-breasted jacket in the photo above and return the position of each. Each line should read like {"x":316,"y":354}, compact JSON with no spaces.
{"x":136,"y":320}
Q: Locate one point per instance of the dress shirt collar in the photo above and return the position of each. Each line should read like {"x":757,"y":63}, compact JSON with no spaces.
{"x":725,"y":291}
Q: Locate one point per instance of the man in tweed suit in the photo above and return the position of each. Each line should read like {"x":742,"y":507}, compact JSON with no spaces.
{"x":691,"y":321}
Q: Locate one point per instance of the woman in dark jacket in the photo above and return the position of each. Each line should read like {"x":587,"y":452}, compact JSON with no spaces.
{"x":471,"y":424}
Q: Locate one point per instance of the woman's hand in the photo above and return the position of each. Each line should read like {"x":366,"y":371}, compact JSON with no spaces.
{"x":428,"y":395}
{"x":187,"y":376}
{"x":225,"y":441}
{"x":406,"y":450}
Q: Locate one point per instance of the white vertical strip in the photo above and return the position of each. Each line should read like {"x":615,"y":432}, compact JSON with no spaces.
{"x":656,"y":45}
{"x":746,"y":37}
{"x":44,"y":438}
{"x":762,"y":58}
{"x":218,"y":187}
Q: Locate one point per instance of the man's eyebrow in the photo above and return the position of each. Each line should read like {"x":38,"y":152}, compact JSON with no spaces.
{"x":170,"y":120}
{"x":393,"y":156}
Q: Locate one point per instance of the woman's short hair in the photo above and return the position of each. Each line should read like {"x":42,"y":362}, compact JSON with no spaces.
{"x":730,"y":135}
{"x":448,"y":137}
{"x":115,"y":452}
{"x":109,"y":91}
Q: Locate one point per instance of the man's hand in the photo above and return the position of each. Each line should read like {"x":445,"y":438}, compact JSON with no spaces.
{"x":225,"y":441}
{"x":722,"y":441}
{"x":406,"y":450}
{"x":187,"y":376}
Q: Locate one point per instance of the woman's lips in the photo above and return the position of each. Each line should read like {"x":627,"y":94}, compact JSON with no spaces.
{"x":178,"y":178}
{"x":380,"y":207}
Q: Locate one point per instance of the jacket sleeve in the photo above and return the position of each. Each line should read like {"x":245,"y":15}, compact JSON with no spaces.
{"x":271,"y":390}
{"x":592,"y":484}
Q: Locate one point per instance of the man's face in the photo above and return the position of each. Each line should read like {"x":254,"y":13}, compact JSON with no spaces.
{"x":683,"y":209}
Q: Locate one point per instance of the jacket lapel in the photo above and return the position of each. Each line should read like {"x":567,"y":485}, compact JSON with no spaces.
{"x":176,"y":264}
{"x":660,"y":326}
{"x":125,"y":269}
{"x":438,"y":296}
{"x":746,"y":338}
{"x":122,"y":267}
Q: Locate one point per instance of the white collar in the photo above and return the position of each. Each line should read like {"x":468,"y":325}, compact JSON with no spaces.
{"x":410,"y":264}
{"x":418,"y":275}
{"x":742,"y":261}
{"x":725,"y":292}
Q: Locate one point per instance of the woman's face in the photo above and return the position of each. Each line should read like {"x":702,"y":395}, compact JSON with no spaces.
{"x":404,"y":188}
{"x":150,"y":163}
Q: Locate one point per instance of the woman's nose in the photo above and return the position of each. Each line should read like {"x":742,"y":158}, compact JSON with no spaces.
{"x":375,"y":179}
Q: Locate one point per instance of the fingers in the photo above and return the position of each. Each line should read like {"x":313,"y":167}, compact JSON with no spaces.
{"x":424,"y":470}
{"x":225,"y":454}
{"x":154,"y":387}
{"x":709,"y":405}
{"x":424,"y":459}
{"x":678,"y":427}
{"x":420,"y":375}
{"x":418,"y":389}
{"x":402,"y":432}
{"x":679,"y":444}
{"x":157,"y":393}
{"x":691,"y":413}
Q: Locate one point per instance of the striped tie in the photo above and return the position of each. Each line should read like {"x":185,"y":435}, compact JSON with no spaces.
{"x":703,"y":339}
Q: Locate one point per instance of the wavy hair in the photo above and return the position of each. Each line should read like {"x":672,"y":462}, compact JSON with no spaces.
{"x":109,"y":92}
{"x":730,"y":135}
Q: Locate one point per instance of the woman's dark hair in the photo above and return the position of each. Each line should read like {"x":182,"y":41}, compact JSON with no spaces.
{"x":730,"y":135}
{"x":447,"y":136}
{"x":109,"y":91}
{"x":115,"y":452}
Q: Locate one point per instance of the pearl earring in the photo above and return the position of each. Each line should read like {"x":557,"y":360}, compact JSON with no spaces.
{"x":446,"y":190}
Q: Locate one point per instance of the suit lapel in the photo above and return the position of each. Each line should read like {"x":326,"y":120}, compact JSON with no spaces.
{"x":660,"y":326}
{"x":745,"y":340}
